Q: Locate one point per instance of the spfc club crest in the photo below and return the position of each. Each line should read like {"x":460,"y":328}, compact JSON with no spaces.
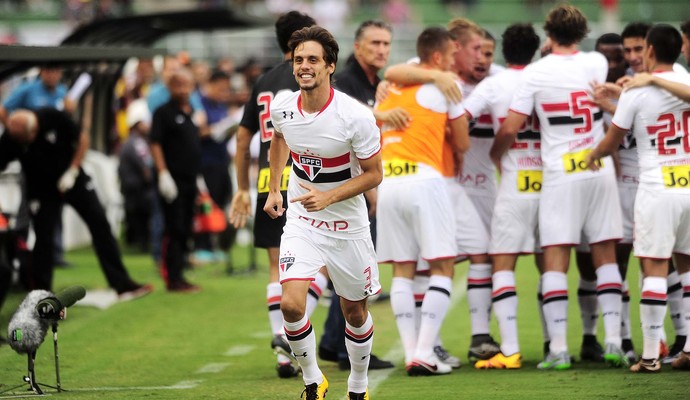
{"x":286,"y":263}
{"x":310,"y":165}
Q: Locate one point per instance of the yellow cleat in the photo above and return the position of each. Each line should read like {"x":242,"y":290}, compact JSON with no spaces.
{"x":358,"y":396}
{"x":499,"y":361}
{"x":315,"y":391}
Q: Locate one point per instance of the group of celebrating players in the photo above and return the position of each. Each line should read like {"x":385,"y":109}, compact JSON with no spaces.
{"x":480,"y":162}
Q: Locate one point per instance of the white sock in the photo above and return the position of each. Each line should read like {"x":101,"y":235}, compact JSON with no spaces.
{"x":302,"y":341}
{"x":555,"y":292}
{"x":505,"y":303}
{"x":685,"y":281}
{"x":589,"y":306}
{"x":609,"y":294}
{"x":402,"y":303}
{"x":540,"y":304}
{"x":316,"y":287}
{"x":419,"y":288}
{"x":274,"y":292}
{"x":625,"y":312}
{"x":358,"y":342}
{"x":652,"y":314}
{"x":675,"y":303}
{"x":479,"y":297}
{"x":434,"y":309}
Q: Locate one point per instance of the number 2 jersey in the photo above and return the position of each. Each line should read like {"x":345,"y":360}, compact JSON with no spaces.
{"x":325,"y":149}
{"x":493,"y":95}
{"x":257,"y":117}
{"x":558,"y":89}
{"x":661,"y":125}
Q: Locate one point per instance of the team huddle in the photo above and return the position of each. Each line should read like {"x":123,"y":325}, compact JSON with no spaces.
{"x":480,"y":162}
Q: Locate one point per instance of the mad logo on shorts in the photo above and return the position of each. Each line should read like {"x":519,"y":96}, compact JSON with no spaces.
{"x":286,"y":263}
{"x":310,"y":165}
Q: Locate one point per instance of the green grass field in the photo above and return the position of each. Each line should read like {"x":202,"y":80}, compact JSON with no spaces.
{"x":215,"y":345}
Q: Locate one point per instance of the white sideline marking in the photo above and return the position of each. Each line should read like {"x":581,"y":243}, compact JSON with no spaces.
{"x":396,"y":353}
{"x":182,"y":385}
{"x":239,"y":350}
{"x":212,"y":368}
{"x":261,"y":335}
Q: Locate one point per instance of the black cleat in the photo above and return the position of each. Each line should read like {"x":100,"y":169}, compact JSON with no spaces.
{"x":482,"y":347}
{"x":287,"y":370}
{"x":591,"y":349}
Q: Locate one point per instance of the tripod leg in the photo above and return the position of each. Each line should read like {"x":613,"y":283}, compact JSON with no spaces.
{"x":55,"y":348}
{"x":32,"y":375}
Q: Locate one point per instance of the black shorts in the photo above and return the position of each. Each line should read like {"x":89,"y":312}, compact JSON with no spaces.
{"x":267,"y":231}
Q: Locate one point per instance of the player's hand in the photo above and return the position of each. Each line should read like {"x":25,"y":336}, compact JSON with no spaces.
{"x":313,"y":200}
{"x":641,"y":79}
{"x":591,"y":162}
{"x":606,"y":91}
{"x":167,"y":186}
{"x":240,"y":209}
{"x":623,"y":80}
{"x":382,"y":91}
{"x":397,"y":117}
{"x":446,"y":82}
{"x":68,"y":179}
{"x":274,"y":205}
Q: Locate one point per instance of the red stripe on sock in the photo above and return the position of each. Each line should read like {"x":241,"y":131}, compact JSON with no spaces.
{"x":503,"y":290}
{"x":481,"y":281}
{"x":555,"y":293}
{"x":315,"y":288}
{"x":653,"y":295}
{"x":274,"y":299}
{"x":299,"y":331}
{"x":611,"y":285}
{"x":362,"y":336}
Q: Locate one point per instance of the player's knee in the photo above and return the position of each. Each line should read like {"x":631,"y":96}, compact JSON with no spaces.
{"x":292,"y":310}
{"x":355,"y":315}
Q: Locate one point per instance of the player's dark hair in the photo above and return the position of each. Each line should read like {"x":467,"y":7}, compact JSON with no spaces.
{"x":320,"y":35}
{"x":685,"y":28}
{"x":520,"y":42}
{"x":608,"y":38}
{"x":376,"y":23}
{"x":287,"y":24}
{"x":431,"y":40}
{"x":566,"y":25}
{"x":637,"y":29}
{"x":666,"y":42}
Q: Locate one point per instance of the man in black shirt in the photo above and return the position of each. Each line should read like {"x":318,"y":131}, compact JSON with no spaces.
{"x":176,"y":151}
{"x":50,"y":148}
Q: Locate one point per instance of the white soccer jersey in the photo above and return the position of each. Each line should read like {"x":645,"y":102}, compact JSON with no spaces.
{"x":661,"y":125}
{"x":521,"y":165}
{"x":325,"y":148}
{"x":478,"y":171}
{"x":558,"y":88}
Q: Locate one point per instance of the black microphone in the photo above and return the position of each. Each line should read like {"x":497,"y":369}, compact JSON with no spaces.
{"x":26,"y":330}
{"x":51,"y":307}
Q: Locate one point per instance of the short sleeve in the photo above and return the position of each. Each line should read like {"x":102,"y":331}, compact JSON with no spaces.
{"x":523,"y":100}
{"x":17,"y":99}
{"x":366,"y":138}
{"x":477,"y":103}
{"x":625,"y":111}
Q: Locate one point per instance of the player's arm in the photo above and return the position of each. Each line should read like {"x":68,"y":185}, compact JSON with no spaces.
{"x":411,"y":74}
{"x":459,"y":140}
{"x":608,"y":145}
{"x":372,"y":175}
{"x":278,"y":155}
{"x":675,"y":88}
{"x":505,"y":137}
{"x":241,"y":207}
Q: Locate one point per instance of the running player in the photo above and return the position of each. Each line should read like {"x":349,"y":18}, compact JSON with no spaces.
{"x":574,"y":201}
{"x":267,"y":232}
{"x":659,"y":122}
{"x":415,"y":217}
{"x":334,"y":144}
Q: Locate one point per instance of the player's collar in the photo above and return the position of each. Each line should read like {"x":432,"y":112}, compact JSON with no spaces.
{"x":299,"y":103}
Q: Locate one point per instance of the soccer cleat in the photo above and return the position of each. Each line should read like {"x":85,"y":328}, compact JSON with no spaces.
{"x":482,"y":347}
{"x":135,"y":292}
{"x":280,"y":346}
{"x":427,"y":367}
{"x":315,"y":391}
{"x":499,"y":361}
{"x":358,"y":396}
{"x":629,"y":350}
{"x":446,"y":358}
{"x":682,"y":361}
{"x":615,"y":356}
{"x":287,"y":370}
{"x":558,"y":362}
{"x":591,"y":349}
{"x":646,"y":366}
{"x":675,"y":350}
